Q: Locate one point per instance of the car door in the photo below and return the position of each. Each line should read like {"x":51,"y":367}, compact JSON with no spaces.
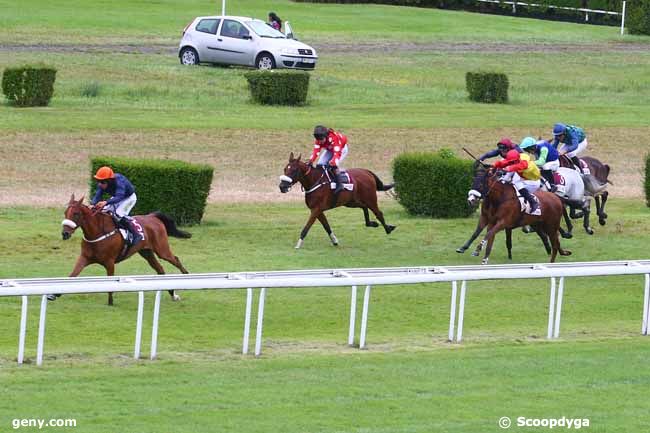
{"x":236,"y":46}
{"x":205,"y":38}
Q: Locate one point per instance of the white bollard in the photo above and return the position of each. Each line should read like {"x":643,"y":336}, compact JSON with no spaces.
{"x":558,"y":312}
{"x":551,"y":310}
{"x":364,"y":318}
{"x":452,"y":311}
{"x":138,"y":326}
{"x":623,"y":19}
{"x":353,"y":315}
{"x":23,"y":330}
{"x":260,"y":321}
{"x":41,"y":331}
{"x":461,"y":312}
{"x":247,"y":320}
{"x":154,"y":327}
{"x":646,"y":306}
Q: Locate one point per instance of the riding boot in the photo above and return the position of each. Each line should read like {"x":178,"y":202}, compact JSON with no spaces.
{"x":529,"y":198}
{"x":576,"y":162}
{"x":339,"y":186}
{"x":548,"y":176}
{"x":129,"y":224}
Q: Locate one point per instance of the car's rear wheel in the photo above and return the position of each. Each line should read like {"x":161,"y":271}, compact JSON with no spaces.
{"x":265,"y":61}
{"x":189,"y":56}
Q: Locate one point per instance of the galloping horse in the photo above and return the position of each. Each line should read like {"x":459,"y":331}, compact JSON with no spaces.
{"x":103,"y":244}
{"x":319,"y":197}
{"x":505,"y":213}
{"x":600,"y":172}
{"x":572,"y":192}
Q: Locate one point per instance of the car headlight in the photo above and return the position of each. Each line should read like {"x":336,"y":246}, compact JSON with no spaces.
{"x":290,"y":51}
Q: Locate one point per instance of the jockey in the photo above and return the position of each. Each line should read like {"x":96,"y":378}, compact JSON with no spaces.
{"x":522,"y":173}
{"x":335,"y":149}
{"x":573,"y":139}
{"x":122,"y":199}
{"x":547,"y":158}
{"x":503,"y":146}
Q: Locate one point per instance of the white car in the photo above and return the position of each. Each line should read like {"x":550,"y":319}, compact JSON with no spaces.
{"x":230,"y":40}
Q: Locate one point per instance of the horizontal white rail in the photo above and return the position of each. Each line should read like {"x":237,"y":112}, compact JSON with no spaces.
{"x":514,"y":3}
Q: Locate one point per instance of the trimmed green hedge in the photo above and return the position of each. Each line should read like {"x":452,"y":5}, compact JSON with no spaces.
{"x":433,"y":184}
{"x":29,"y":86}
{"x":176,"y":188}
{"x":278,"y":87}
{"x":638,"y":17}
{"x":647,"y":180}
{"x":488,"y":87}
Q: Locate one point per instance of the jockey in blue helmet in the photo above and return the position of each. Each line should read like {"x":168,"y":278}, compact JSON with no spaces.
{"x":573,"y":139}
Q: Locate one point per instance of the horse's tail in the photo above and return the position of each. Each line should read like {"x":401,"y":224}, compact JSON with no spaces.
{"x":607,"y":174}
{"x":170,"y":226}
{"x":380,"y":184}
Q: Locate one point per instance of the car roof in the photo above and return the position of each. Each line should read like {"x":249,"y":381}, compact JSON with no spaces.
{"x":228,"y":16}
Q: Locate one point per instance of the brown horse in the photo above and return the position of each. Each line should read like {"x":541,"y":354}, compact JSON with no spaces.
{"x":506,"y":214}
{"x":319,"y":197}
{"x":600,"y":172}
{"x":103,"y":244}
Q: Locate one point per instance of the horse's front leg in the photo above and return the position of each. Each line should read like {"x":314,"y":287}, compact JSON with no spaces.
{"x":312,"y":217}
{"x":479,"y":228}
{"x":586,"y":211}
{"x":509,"y":243}
{"x":602,"y":215}
{"x":326,"y":225}
{"x":110,"y":271}
{"x":480,"y":245}
{"x":569,"y":225}
{"x":489,"y":240}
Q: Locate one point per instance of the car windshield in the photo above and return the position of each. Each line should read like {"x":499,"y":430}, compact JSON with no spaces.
{"x":264,"y":30}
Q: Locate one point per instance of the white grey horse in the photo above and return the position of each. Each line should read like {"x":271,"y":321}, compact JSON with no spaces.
{"x":574,"y":195}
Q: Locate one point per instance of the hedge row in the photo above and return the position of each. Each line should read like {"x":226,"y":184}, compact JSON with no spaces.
{"x":638,"y":19}
{"x":176,"y":188}
{"x":488,"y":87}
{"x":433,"y":184}
{"x":278,"y":87}
{"x":646,"y":183}
{"x":29,"y":86}
{"x":542,"y":12}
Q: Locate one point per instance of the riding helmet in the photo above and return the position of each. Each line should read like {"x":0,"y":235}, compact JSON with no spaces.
{"x":527,"y":142}
{"x":320,"y":132}
{"x":559,"y":129}
{"x":104,"y":173}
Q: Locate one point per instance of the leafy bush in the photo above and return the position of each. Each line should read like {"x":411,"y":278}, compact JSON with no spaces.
{"x":647,"y":180}
{"x":489,"y":87}
{"x":176,"y":188}
{"x":433,"y":184}
{"x":638,"y":18}
{"x":278,"y":87}
{"x":29,"y":86}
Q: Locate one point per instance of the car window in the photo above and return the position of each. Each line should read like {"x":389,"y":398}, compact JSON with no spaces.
{"x":264,"y":30}
{"x":234,"y":29}
{"x":208,"y":26}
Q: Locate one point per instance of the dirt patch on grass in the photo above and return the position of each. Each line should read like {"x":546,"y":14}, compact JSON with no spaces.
{"x":43,"y":169}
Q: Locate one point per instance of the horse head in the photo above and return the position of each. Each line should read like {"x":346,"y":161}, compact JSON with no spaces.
{"x":293,"y":172}
{"x":74,"y":214}
{"x":479,"y":185}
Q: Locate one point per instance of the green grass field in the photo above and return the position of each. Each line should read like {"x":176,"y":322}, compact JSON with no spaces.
{"x":393,"y":79}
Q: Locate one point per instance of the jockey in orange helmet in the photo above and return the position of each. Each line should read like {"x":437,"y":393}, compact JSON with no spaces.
{"x":334,"y":146}
{"x":522,"y":173}
{"x":122,"y":199}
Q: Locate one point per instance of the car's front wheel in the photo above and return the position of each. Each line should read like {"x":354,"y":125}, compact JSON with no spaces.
{"x":189,"y":56}
{"x":265,"y":61}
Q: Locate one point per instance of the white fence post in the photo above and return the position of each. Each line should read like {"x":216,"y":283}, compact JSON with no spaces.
{"x":364,"y":318}
{"x":353,"y":315}
{"x":138,"y":326}
{"x":41,"y":331}
{"x":247,"y":320}
{"x":23,"y":330}
{"x":551,"y":310}
{"x":260,"y":321}
{"x":452,"y":311}
{"x":623,"y":20}
{"x":461,"y":311}
{"x":154,"y":327}
{"x":558,"y":311}
{"x":646,"y":306}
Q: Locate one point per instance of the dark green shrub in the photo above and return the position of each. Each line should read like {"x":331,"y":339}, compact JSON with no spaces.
{"x":638,"y":17}
{"x":176,"y":188}
{"x":29,"y":86}
{"x":646,"y":183}
{"x":278,"y":87}
{"x":433,"y":184}
{"x":489,"y":87}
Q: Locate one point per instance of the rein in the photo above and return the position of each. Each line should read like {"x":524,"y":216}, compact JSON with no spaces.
{"x":73,"y":225}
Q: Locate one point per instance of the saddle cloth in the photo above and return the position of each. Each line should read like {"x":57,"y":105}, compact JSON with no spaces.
{"x":585,"y":167}
{"x":525,"y":207}
{"x":348,"y":184}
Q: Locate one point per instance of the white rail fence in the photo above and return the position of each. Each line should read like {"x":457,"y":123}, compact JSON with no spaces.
{"x":319,"y":278}
{"x":514,"y":5}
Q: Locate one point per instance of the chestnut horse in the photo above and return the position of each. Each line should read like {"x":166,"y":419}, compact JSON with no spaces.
{"x":319,"y":197}
{"x":506,"y":213}
{"x":600,"y":172}
{"x":103,"y":244}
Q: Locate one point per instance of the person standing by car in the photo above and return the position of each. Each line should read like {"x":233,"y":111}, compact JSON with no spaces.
{"x":275,"y":21}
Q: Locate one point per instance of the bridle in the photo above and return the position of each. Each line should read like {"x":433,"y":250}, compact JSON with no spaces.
{"x":74,"y":225}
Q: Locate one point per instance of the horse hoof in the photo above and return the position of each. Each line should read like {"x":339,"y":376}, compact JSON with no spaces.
{"x":299,"y":244}
{"x":334,"y":240}
{"x":602,"y":221}
{"x":603,"y":216}
{"x":460,"y":250}
{"x":589,"y":230}
{"x":372,"y":224}
{"x":475,"y":254}
{"x":567,"y":235}
{"x":389,"y":229}
{"x":176,"y":298}
{"x":565,"y":253}
{"x":484,"y":261}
